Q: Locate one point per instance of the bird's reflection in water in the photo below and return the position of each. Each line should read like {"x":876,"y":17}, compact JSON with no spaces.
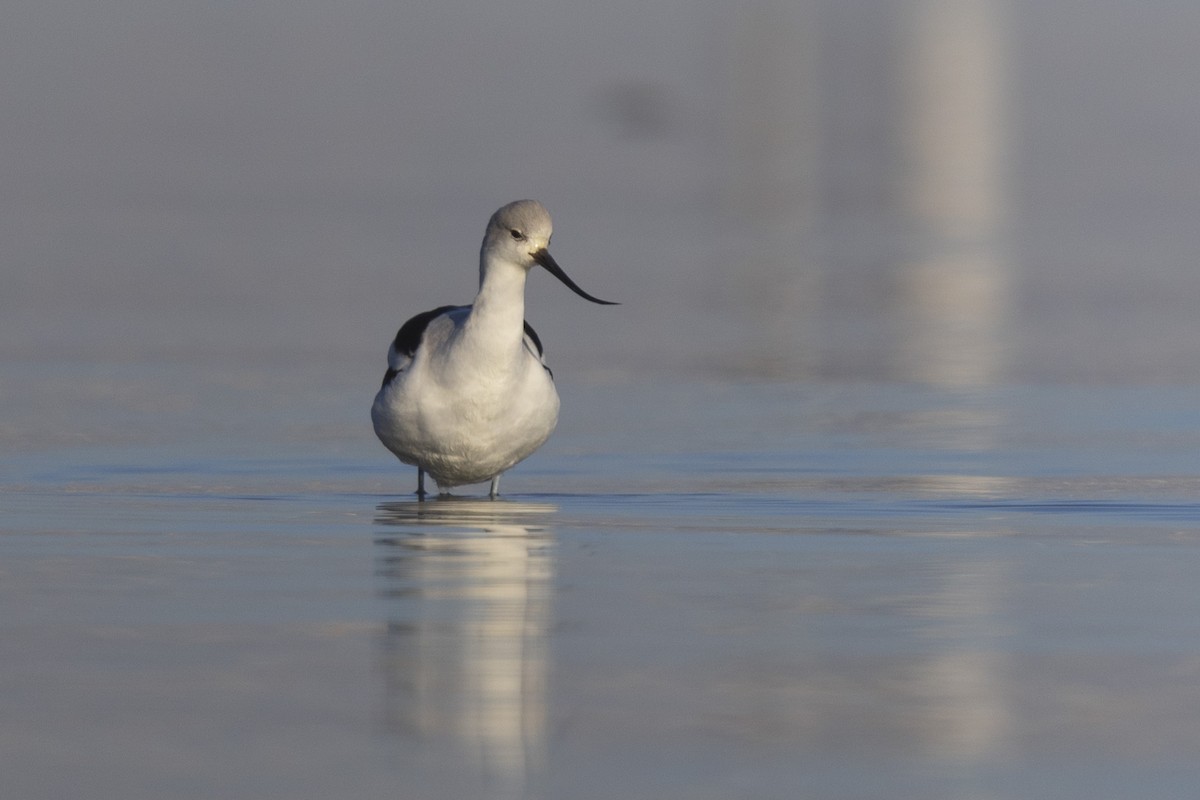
{"x":468,"y":585}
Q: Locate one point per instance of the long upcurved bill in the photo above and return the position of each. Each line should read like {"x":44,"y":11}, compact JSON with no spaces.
{"x":544,"y":258}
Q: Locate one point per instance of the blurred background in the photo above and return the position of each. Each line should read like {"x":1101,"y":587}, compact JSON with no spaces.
{"x":960,"y":192}
{"x":881,"y":479}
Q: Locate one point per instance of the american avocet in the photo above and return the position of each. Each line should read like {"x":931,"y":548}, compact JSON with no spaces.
{"x":467,"y":393}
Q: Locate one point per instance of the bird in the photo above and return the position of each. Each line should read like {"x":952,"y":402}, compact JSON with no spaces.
{"x":468,"y":393}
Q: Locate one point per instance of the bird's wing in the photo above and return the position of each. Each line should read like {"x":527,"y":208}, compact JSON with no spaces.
{"x":408,"y":339}
{"x":534,"y":345}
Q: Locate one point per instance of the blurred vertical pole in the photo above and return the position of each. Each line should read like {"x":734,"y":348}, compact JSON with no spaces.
{"x":954,"y":293}
{"x":953,"y":309}
{"x":867,"y":152}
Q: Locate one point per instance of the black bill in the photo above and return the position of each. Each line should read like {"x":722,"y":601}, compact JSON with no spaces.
{"x":544,"y":258}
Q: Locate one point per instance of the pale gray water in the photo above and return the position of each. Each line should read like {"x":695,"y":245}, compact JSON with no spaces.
{"x":858,"y":590}
{"x":881,"y":483}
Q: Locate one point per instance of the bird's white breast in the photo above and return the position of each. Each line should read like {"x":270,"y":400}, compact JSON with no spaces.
{"x":463,"y":412}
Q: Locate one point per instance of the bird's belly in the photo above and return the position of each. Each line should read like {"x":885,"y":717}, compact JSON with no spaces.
{"x":465,"y":434}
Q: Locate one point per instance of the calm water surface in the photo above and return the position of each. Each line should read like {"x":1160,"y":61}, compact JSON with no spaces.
{"x":817,"y":589}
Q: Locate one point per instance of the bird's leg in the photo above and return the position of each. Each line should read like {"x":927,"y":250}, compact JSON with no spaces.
{"x":420,"y":484}
{"x":495,"y":490}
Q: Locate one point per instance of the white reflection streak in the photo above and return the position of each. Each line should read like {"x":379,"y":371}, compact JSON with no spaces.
{"x":956,"y":304}
{"x":466,"y":650}
{"x":504,"y":650}
{"x":962,"y":688}
{"x":956,"y":295}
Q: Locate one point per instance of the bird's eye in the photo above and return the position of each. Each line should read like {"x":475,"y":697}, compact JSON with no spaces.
{"x":516,"y":234}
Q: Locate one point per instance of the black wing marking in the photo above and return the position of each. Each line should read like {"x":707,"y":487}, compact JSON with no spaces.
{"x":531,"y":334}
{"x":408,"y":339}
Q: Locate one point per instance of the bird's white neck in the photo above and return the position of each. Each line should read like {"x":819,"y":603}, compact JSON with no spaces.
{"x":498,"y":313}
